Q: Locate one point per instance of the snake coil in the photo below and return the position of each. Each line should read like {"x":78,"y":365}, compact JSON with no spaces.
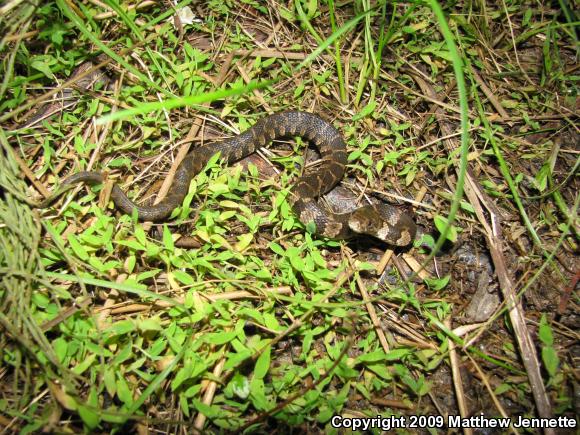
{"x":382,"y":221}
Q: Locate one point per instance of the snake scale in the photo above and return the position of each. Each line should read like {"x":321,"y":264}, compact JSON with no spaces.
{"x":382,"y":221}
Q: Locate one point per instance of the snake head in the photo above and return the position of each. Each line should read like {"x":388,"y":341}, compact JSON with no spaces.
{"x":384,"y":222}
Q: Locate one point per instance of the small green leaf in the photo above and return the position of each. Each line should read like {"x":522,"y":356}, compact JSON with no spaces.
{"x":545,"y":332}
{"x":89,"y":416}
{"x":140,"y":235}
{"x":371,"y":357}
{"x":510,"y":104}
{"x":134,"y":244}
{"x":271,"y":322}
{"x":382,"y":370}
{"x":183,"y":277}
{"x":123,"y":392}
{"x":527,"y":17}
{"x":380,"y":355}
{"x":262,"y":364}
{"x":218,"y":188}
{"x":365,"y":265}
{"x":467,"y":207}
{"x":84,"y":364}
{"x":206,"y":410}
{"x":77,"y":248}
{"x":114,"y":418}
{"x":42,"y":64}
{"x":183,"y":403}
{"x":119,"y":162}
{"x":297,"y":262}
{"x":168,"y":239}
{"x":551,"y":360}
{"x":277,"y":249}
{"x":130,"y":263}
{"x":183,"y":374}
{"x":220,"y":337}
{"x":502,"y":388}
{"x":441,"y":222}
{"x":286,"y":14}
{"x":425,"y":240}
{"x":311,"y":227}
{"x":367,"y":110}
{"x":437,"y":283}
{"x":244,"y":241}
{"x":299,"y":89}
{"x":109,"y":379}
{"x":307,"y":343}
{"x":60,"y":346}
{"x":541,"y":178}
{"x":122,"y":327}
{"x":150,"y":324}
{"x":258,"y":395}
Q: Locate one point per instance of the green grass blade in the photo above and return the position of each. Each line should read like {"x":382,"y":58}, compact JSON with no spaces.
{"x":458,"y":66}
{"x":122,"y":287}
{"x":183,"y":101}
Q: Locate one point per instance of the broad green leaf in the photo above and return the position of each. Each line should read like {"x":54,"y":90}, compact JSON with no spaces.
{"x":60,"y":346}
{"x":183,"y":277}
{"x":150,"y":324}
{"x":168,"y":239}
{"x":77,"y":248}
{"x":545,"y":332}
{"x":206,"y":410}
{"x":262,"y":364}
{"x":244,"y":241}
{"x":367,"y":110}
{"x":220,"y":337}
{"x":140,"y":235}
{"x":122,"y":327}
{"x":84,"y":364}
{"x":551,"y":360}
{"x":89,"y":416}
{"x":441,"y":222}
{"x":109,"y":379}
{"x":123,"y":392}
{"x":437,"y":284}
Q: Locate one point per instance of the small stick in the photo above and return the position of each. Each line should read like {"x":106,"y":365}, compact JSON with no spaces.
{"x":457,"y":382}
{"x":370,"y":308}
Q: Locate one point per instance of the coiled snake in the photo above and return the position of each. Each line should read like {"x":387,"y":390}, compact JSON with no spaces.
{"x":382,"y":221}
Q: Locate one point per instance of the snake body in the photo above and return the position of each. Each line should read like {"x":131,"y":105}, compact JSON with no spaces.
{"x":383,"y":221}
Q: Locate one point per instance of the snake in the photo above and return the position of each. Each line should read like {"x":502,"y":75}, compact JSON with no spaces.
{"x":380,"y":220}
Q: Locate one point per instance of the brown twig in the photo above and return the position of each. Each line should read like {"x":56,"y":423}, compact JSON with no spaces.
{"x":492,"y":394}
{"x":457,"y":382}
{"x":370,"y":308}
{"x":210,"y":391}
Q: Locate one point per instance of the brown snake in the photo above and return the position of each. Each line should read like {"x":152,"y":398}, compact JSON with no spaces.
{"x":382,"y":221}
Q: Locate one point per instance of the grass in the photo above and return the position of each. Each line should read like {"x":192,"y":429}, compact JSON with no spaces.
{"x":233,"y":316}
